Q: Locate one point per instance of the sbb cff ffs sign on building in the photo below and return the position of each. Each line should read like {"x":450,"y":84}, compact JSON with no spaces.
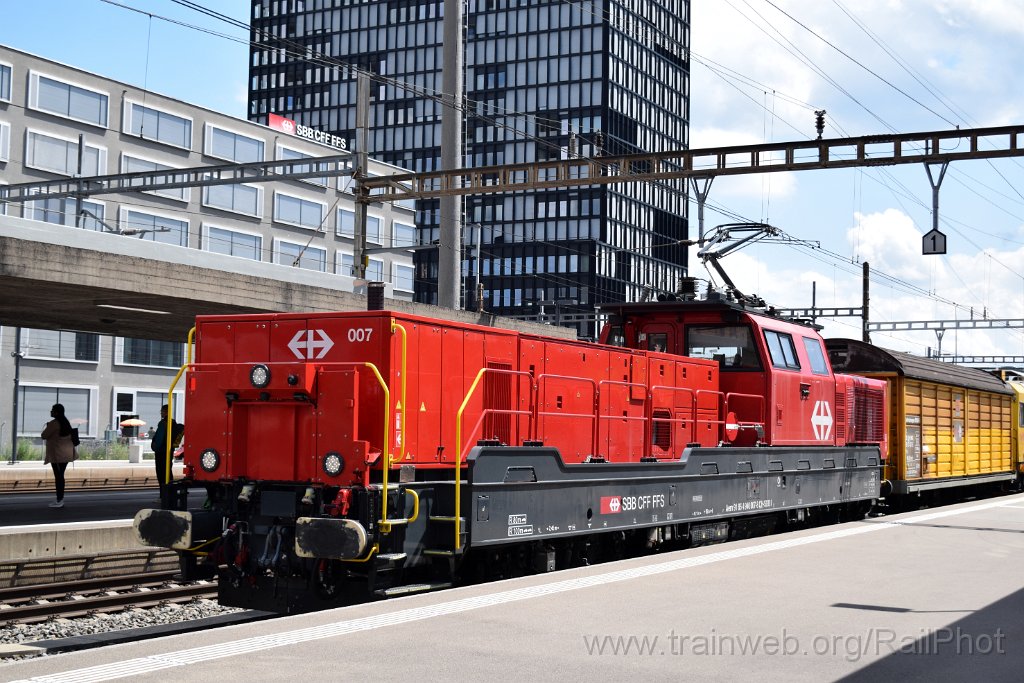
{"x":298,"y":130}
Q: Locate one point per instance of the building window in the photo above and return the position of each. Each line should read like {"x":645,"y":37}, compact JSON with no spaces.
{"x":345,"y":264}
{"x":237,"y":198}
{"x":146,"y":404}
{"x":61,"y":211}
{"x":65,"y":99}
{"x":154,"y":124}
{"x":5,"y":82}
{"x":404,"y":235}
{"x":289,"y":154}
{"x":130,"y":164}
{"x":402,"y":277}
{"x":373,"y":229}
{"x":149,"y":353}
{"x":224,"y":144}
{"x":155,"y":228}
{"x":347,"y":226}
{"x":304,"y":213}
{"x":346,"y":223}
{"x":375,"y":271}
{"x":300,"y":255}
{"x":62,"y":345}
{"x":60,"y":155}
{"x":233,"y":243}
{"x":5,"y":141}
{"x":35,"y":401}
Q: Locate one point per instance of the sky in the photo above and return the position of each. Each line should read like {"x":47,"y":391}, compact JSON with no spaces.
{"x":760,"y":68}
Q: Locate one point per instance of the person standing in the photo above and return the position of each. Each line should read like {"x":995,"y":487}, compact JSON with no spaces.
{"x":159,"y":446}
{"x":59,"y":449}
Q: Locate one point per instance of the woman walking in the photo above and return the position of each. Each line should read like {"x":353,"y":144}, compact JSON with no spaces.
{"x":59,"y":448}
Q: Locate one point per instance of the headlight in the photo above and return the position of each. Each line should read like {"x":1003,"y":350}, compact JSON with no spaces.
{"x":209,"y":460}
{"x":259,"y":376}
{"x":333,"y":464}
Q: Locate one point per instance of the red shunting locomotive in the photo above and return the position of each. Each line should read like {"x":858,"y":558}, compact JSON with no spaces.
{"x":370,"y":454}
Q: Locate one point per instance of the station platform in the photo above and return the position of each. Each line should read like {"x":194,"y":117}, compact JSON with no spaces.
{"x":920,"y":596}
{"x":33,"y":476}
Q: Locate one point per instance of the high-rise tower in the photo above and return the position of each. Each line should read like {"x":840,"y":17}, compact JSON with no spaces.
{"x":544,"y":79}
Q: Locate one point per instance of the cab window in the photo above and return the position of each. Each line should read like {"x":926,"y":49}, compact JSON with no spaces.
{"x":616,"y":336}
{"x":781,"y":349}
{"x":731,"y":345}
{"x":657,"y":341}
{"x":816,"y":356}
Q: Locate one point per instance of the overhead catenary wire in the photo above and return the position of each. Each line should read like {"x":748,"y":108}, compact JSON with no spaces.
{"x":517,"y":114}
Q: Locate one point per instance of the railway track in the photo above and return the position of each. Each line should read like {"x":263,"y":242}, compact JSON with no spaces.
{"x":94,"y":483}
{"x":36,"y":574}
{"x":30,"y":604}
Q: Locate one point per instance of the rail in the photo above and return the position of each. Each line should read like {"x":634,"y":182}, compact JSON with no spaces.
{"x":728,"y":406}
{"x":606,"y":419}
{"x":31,"y":574}
{"x":720,"y":402}
{"x":460,"y":451}
{"x":592,"y":416}
{"x":385,"y":454}
{"x":488,"y":412}
{"x":73,"y":599}
{"x":693,"y":416}
{"x":385,"y":524}
{"x":600,"y":391}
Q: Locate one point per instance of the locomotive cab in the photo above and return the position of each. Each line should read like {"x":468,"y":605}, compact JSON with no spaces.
{"x":776,"y":382}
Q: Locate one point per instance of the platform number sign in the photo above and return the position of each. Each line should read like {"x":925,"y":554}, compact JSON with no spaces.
{"x":934,"y":242}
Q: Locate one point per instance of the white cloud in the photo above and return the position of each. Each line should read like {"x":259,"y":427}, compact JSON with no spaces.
{"x":964,"y":56}
{"x":891,"y":242}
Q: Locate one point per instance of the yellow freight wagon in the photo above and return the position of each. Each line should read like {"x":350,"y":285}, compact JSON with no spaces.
{"x":1018,"y":432}
{"x":949,"y":425}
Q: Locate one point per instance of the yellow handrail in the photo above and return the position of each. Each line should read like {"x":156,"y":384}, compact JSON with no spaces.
{"x":458,"y":457}
{"x":168,"y":431}
{"x":373,"y":551}
{"x":385,"y":456}
{"x":385,"y":526}
{"x":415,"y":506}
{"x":405,"y":341}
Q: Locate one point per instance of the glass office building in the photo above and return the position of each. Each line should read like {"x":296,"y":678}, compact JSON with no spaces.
{"x":543,"y":79}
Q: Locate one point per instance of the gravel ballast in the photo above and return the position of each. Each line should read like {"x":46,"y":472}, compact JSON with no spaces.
{"x":57,"y":629}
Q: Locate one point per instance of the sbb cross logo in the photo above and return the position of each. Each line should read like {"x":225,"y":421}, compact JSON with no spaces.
{"x":611,"y":505}
{"x":821,"y":420}
{"x":305,"y":344}
{"x":281,"y":123}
